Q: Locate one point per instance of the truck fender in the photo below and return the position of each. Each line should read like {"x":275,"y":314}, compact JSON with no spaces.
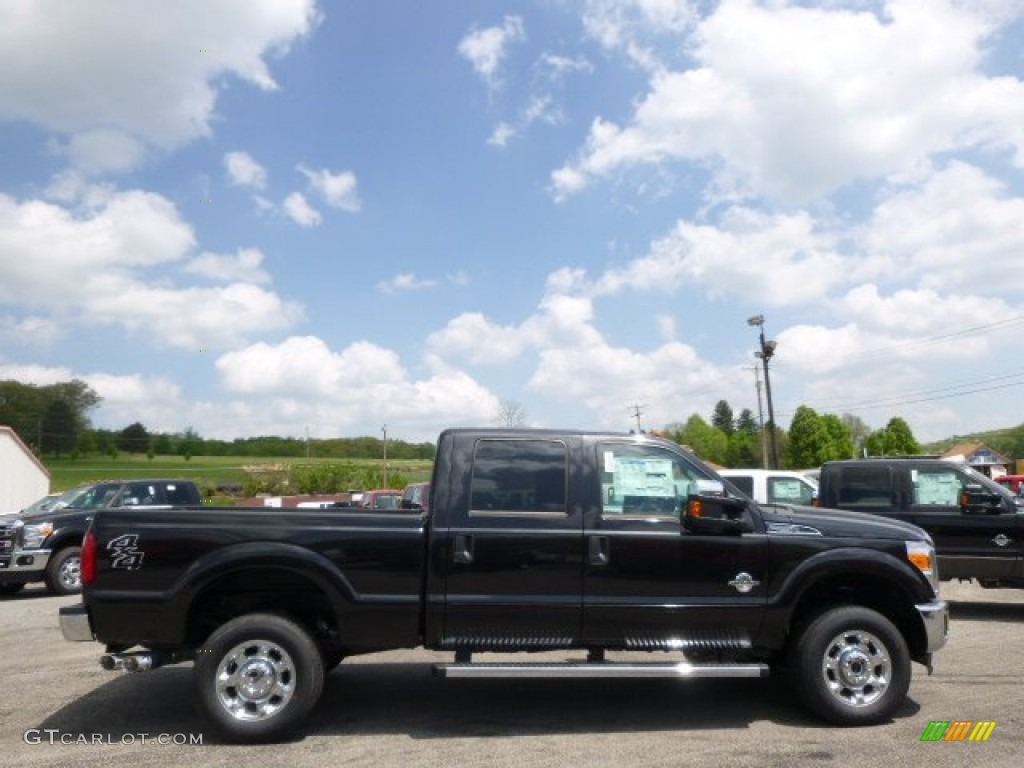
{"x":845,"y":563}
{"x":264,"y":555}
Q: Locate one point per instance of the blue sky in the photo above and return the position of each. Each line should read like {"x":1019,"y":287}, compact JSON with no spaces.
{"x":260,"y":217}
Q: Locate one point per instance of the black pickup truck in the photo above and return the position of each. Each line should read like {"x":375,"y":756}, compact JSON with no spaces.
{"x":536,"y":540}
{"x":46,"y":546}
{"x":976,"y":523}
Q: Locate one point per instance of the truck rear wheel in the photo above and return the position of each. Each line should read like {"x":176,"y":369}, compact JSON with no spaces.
{"x":64,"y":571}
{"x":258,"y":676}
{"x":851,"y":665}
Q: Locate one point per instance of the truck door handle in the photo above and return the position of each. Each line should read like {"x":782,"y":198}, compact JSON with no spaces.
{"x":597,"y":550}
{"x":463,"y":548}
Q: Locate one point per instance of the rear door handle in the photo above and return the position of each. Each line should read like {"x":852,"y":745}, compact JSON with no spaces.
{"x":463,"y":548}
{"x":598,"y":550}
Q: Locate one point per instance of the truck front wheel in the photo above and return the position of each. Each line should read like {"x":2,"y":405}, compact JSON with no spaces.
{"x":64,"y":571}
{"x":851,"y":665}
{"x":258,"y":676}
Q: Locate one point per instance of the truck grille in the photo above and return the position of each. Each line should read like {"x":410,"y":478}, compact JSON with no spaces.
{"x":8,"y":534}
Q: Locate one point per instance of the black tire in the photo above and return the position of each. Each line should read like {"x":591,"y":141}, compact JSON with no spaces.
{"x":851,"y":666}
{"x":258,"y":676}
{"x":11,"y":587}
{"x":64,"y":571}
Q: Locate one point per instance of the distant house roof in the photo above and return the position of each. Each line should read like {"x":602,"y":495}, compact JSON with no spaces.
{"x":5,"y":430}
{"x":976,"y":454}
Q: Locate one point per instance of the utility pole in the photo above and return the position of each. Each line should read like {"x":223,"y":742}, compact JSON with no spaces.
{"x":637,"y":410}
{"x":760,"y":419}
{"x":384,"y":429}
{"x":765,"y":354}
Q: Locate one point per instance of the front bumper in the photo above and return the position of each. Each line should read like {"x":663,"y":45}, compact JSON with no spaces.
{"x":24,"y":565}
{"x":74,"y":623}
{"x":935,"y":618}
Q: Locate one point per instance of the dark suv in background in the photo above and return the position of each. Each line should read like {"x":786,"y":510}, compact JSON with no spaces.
{"x":46,"y":545}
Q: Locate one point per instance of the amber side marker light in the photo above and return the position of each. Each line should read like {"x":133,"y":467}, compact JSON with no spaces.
{"x":695,"y":508}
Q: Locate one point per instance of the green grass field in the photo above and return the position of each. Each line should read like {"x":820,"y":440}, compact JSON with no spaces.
{"x":205,"y":471}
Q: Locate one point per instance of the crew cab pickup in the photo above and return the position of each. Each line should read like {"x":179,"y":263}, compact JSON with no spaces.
{"x":536,"y":540}
{"x":46,"y":546}
{"x":977,"y":524}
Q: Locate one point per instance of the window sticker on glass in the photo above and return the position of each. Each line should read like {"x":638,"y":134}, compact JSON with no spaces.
{"x":643,"y":477}
{"x":609,"y":461}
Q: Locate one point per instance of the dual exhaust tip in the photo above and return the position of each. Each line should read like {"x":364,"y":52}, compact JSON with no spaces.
{"x":129,"y":662}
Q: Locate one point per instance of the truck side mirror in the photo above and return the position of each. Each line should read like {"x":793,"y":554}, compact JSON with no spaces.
{"x":709,"y":512}
{"x":975,"y":500}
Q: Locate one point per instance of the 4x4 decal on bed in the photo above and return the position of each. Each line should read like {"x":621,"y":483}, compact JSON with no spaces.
{"x":126,"y":554}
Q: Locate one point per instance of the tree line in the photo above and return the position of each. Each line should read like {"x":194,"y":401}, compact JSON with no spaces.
{"x":812,"y":438}
{"x":53,"y":420}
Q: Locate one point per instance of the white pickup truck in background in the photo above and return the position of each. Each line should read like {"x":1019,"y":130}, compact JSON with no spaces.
{"x":773,"y":486}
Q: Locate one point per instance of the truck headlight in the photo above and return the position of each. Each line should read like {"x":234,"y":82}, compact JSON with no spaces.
{"x":921,"y":555}
{"x":33,"y":536}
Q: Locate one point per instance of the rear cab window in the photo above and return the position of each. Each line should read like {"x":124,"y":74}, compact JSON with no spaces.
{"x":512,"y":476}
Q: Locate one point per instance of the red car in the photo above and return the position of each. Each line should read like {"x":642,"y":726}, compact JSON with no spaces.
{"x":1013,"y":482}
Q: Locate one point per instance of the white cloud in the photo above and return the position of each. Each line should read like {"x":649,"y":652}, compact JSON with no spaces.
{"x":338,"y":189}
{"x":303,"y":381}
{"x":778,"y":260}
{"x":486,"y":48}
{"x":145,"y":70}
{"x":243,"y":266}
{"x":402,"y":283}
{"x":106,"y":262}
{"x":244,"y":171}
{"x":300,"y":211}
{"x":100,"y":151}
{"x":30,"y":331}
{"x":893,"y":90}
{"x":635,"y":26}
{"x":954,"y":228}
{"x":502,"y":134}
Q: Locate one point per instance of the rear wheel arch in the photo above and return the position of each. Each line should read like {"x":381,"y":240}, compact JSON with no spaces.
{"x":278,"y":590}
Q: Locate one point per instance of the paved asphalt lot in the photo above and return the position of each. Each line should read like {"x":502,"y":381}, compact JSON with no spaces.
{"x":388,"y":710}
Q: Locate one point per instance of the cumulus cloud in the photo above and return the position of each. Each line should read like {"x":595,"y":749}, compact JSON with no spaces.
{"x":98,"y":262}
{"x":300,"y":211}
{"x":405,"y":282}
{"x":894,"y":90}
{"x":243,"y":266}
{"x":304,"y":378}
{"x":244,"y":171}
{"x":30,"y":331}
{"x":149,"y":74}
{"x":339,"y":190}
{"x":955,"y":227}
{"x":486,"y":48}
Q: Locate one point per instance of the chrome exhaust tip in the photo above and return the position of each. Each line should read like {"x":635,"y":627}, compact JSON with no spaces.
{"x":110,"y":662}
{"x":138,"y":663}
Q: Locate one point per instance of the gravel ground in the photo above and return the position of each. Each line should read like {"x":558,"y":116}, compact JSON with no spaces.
{"x":388,"y":710}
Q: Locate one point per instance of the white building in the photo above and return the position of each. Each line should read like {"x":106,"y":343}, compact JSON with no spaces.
{"x":23,"y":478}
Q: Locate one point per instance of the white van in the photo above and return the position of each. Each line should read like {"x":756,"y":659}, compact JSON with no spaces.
{"x":773,"y":486}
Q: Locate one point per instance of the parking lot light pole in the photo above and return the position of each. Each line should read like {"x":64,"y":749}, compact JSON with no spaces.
{"x":765,"y":354}
{"x":384,"y":429}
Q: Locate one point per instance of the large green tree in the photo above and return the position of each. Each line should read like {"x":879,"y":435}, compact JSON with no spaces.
{"x":815,"y":438}
{"x":60,"y":428}
{"x":723,"y":418}
{"x":134,"y":438}
{"x":24,"y":407}
{"x":896,"y":439}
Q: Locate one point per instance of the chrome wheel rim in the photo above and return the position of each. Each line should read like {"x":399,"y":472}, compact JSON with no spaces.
{"x":856,"y":668}
{"x":70,"y":574}
{"x":255,"y":680}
